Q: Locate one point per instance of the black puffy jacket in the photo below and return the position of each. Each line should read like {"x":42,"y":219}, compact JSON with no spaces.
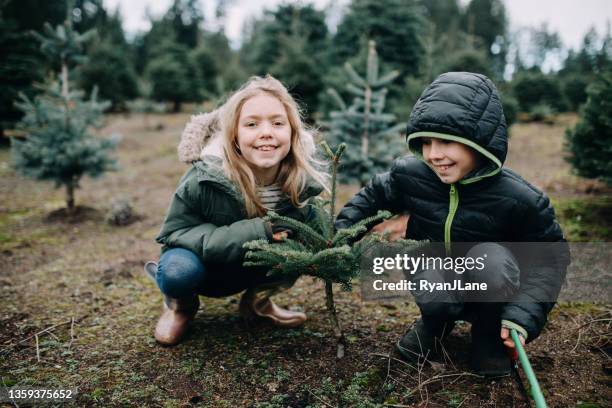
{"x":491,"y":204}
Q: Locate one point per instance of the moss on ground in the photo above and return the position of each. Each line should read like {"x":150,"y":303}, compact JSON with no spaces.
{"x":586,"y":218}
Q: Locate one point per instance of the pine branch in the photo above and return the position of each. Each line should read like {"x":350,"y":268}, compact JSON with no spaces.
{"x":386,"y":79}
{"x":303,"y":231}
{"x":337,"y":98}
{"x":354,"y":76}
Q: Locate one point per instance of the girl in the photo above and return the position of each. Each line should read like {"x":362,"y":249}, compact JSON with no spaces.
{"x":252,"y":155}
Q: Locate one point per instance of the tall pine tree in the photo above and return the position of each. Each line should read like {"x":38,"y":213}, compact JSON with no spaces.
{"x":372,"y":136}
{"x":59,"y":146}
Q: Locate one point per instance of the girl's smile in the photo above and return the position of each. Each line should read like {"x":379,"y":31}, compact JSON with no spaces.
{"x":264,"y":135}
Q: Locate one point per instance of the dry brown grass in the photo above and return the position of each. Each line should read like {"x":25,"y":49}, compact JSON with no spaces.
{"x":55,"y":270}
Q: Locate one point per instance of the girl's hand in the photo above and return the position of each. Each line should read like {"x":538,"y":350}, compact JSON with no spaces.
{"x":396,"y":227}
{"x":280,"y":233}
{"x":508,"y":342}
{"x":280,"y":236}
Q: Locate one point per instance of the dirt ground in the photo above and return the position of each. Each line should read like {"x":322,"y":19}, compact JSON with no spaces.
{"x":79,"y":312}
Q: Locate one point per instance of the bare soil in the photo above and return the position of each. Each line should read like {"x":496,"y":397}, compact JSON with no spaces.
{"x":79,"y":312}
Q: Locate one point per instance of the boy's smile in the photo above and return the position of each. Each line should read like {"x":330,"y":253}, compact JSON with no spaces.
{"x":450,"y":160}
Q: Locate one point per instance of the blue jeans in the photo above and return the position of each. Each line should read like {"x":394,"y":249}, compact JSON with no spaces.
{"x":182,"y":275}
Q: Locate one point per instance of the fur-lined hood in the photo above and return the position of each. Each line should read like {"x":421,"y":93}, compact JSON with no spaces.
{"x":201,"y":137}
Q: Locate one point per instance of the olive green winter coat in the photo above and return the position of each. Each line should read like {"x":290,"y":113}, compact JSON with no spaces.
{"x":207,"y":215}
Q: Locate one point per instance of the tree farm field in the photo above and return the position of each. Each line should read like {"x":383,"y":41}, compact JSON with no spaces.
{"x":79,"y":312}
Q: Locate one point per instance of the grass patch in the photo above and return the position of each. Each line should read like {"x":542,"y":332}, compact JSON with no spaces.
{"x":585,"y":219}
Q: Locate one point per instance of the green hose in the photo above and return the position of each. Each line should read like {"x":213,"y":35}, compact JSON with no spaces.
{"x":536,"y":392}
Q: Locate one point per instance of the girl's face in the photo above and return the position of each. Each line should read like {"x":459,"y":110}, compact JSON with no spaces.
{"x":264,"y":135}
{"x":450,"y":160}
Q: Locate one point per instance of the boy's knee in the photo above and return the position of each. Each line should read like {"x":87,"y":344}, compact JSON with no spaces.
{"x":180,"y":273}
{"x":441,"y":311}
{"x":501,"y":272}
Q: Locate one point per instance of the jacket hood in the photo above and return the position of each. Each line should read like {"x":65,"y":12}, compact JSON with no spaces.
{"x":463,"y":107}
{"x":202,"y":145}
{"x":201,"y":137}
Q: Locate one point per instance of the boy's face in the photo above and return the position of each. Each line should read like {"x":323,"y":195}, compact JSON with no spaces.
{"x":450,"y":160}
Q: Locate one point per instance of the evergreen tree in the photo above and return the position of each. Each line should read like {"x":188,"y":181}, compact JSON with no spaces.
{"x":218,"y":65}
{"x":209,"y":69}
{"x":59,"y":146}
{"x":298,"y":71}
{"x":291,"y":43}
{"x":395,"y":25}
{"x":107,"y":68}
{"x":574,"y":89}
{"x":533,"y":88}
{"x":22,"y":62}
{"x":173,"y":75}
{"x":590,"y":142}
{"x":109,"y":63}
{"x":487,"y":22}
{"x":231,"y":73}
{"x":371,"y":134}
{"x":261,"y":48}
{"x":179,"y":25}
{"x":186,"y":16}
{"x":315,"y":249}
{"x":469,"y":60}
{"x":580,"y":67}
{"x":445,"y":15}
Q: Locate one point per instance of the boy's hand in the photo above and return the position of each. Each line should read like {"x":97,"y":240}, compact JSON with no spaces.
{"x":396,"y":227}
{"x":505,"y":335}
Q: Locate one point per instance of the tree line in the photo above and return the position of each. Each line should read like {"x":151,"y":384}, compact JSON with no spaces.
{"x":179,"y":59}
{"x":389,"y":49}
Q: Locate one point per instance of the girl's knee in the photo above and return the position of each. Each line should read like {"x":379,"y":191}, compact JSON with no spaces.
{"x":180,"y":273}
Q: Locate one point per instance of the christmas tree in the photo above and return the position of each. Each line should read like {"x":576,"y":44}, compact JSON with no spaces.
{"x":371,"y":134}
{"x":316,"y":249}
{"x":591,"y":141}
{"x":59,"y":146}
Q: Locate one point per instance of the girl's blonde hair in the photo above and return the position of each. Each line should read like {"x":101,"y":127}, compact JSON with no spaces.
{"x":296,"y":168}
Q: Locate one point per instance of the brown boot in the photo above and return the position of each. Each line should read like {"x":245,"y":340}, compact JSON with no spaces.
{"x":173,"y":323}
{"x":256,"y":304}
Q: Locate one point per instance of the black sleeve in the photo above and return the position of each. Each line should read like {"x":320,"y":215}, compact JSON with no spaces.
{"x":541,"y":281}
{"x":379,"y":194}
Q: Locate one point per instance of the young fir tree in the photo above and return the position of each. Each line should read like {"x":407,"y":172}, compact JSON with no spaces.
{"x":590,"y":142}
{"x":59,"y":146}
{"x":316,"y":249}
{"x":371,"y":134}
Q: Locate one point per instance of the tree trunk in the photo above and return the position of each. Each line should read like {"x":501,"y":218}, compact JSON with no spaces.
{"x":176,"y":107}
{"x":70,"y":197}
{"x":64,"y":80}
{"x":331,"y":308}
{"x":366,"y":123}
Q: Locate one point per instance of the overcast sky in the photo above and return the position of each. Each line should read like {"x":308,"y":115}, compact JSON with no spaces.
{"x":570,"y":18}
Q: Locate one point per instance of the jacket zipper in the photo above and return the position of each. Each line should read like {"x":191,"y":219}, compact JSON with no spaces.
{"x":452,"y":209}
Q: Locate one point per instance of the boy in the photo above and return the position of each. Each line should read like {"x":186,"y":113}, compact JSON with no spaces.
{"x":455,"y":190}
